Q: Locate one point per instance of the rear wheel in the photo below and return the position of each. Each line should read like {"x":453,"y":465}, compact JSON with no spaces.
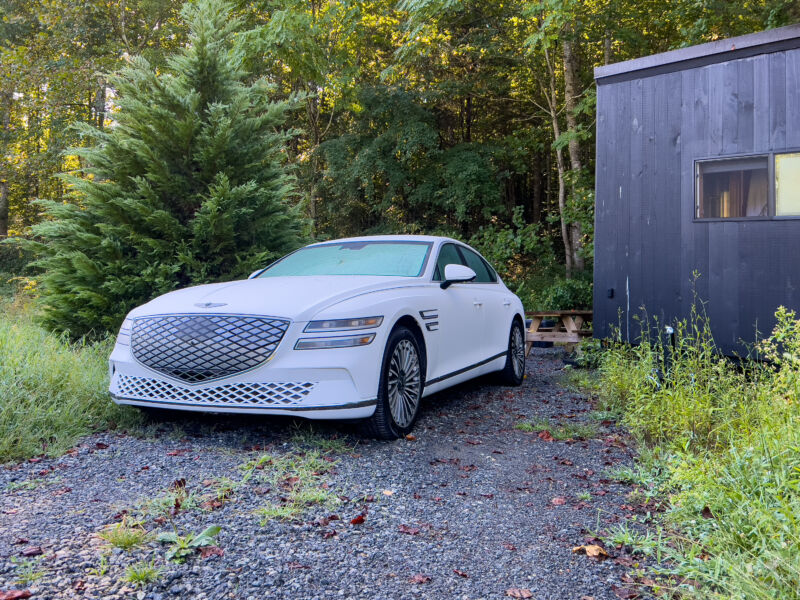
{"x":514,"y":370}
{"x":400,"y":388}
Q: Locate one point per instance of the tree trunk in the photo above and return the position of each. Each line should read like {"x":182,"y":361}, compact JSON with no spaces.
{"x":5,"y":119}
{"x":571,"y":95}
{"x":100,"y":107}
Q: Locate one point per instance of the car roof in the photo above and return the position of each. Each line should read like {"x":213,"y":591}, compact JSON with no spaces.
{"x":391,"y":238}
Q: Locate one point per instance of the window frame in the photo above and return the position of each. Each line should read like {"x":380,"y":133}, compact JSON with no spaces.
{"x":771,"y":183}
{"x":459,"y":246}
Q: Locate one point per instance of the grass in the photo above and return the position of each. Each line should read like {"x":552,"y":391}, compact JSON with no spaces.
{"x":52,"y":391}
{"x":296,"y":480}
{"x":306,"y":436}
{"x":560,"y":431}
{"x":142,"y":573}
{"x":637,"y":543}
{"x":721,"y":441}
{"x":125,"y":536}
{"x":27,"y":570}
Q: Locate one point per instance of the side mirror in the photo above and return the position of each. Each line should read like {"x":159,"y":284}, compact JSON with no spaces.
{"x":254,"y":274}
{"x":456,"y":274}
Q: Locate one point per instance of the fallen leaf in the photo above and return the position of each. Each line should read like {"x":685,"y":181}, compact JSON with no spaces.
{"x":558,"y":501}
{"x":509,"y":546}
{"x":625,"y":593}
{"x":329,"y":534}
{"x":209,"y":551}
{"x":62,"y":491}
{"x":357,"y":520}
{"x":388,"y":492}
{"x":32,"y":551}
{"x":592,"y":551}
{"x":474,"y":442}
{"x":706,"y":512}
{"x":411,"y":437}
{"x":461,"y":573}
{"x":567,"y":462}
{"x":101,"y":445}
{"x":497,"y":452}
{"x":547,"y":437}
{"x":408,"y":530}
{"x":297,"y":565}
{"x":21,"y":541}
{"x":419,"y":578}
{"x":180,"y":452}
{"x":518,"y":593}
{"x":490,"y":496}
{"x":15,"y":595}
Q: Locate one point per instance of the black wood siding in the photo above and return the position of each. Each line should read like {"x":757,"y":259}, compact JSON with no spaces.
{"x":650,"y":131}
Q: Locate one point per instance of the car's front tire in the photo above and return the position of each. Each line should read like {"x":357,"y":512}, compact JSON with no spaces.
{"x":400,"y":389}
{"x":513,"y":372}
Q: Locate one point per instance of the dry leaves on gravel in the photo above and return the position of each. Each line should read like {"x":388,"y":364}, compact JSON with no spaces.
{"x":419,"y":578}
{"x":14,"y":595}
{"x":592,"y":551}
{"x":519,"y":593}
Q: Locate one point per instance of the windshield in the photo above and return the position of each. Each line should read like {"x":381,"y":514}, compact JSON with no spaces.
{"x":394,"y":259}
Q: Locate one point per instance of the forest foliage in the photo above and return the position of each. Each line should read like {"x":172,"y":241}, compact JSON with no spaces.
{"x":472,"y":118}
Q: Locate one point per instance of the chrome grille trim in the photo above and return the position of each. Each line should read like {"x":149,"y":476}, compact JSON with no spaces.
{"x":202,"y":348}
{"x":243,"y":394}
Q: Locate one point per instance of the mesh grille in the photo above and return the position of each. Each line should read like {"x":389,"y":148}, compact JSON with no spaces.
{"x":232,"y":394}
{"x":196,"y":348}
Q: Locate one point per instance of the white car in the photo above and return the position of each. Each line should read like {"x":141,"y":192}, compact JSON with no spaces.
{"x":358,"y":328}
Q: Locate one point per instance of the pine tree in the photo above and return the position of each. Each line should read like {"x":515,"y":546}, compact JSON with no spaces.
{"x":189,"y":185}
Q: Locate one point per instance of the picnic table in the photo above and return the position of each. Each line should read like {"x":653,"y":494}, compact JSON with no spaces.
{"x":570,"y":327}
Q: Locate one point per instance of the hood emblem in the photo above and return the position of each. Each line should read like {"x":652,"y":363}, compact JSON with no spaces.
{"x":210,"y":304}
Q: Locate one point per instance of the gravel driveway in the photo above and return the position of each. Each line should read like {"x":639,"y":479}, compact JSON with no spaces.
{"x":471,"y":508}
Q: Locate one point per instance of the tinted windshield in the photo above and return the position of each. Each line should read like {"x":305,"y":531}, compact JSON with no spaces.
{"x":396,"y":259}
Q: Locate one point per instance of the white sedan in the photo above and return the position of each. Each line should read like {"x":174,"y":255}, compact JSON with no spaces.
{"x":358,"y":328}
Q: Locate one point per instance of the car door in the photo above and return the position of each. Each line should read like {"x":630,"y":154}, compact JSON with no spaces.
{"x":458,"y":320}
{"x":494,"y":303}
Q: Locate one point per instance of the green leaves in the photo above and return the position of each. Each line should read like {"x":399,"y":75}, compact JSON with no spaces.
{"x":190,"y":186}
{"x":184,"y":546}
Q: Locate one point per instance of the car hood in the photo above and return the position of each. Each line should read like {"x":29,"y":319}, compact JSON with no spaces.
{"x":296,"y":298}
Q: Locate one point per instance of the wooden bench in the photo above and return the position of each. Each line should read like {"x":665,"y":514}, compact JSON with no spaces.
{"x":571,"y":326}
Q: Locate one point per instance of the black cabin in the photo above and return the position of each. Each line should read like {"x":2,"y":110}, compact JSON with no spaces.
{"x":698,"y":169}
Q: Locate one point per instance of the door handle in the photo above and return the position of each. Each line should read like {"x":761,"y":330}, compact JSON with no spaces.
{"x":506,"y":302}
{"x":478,"y":304}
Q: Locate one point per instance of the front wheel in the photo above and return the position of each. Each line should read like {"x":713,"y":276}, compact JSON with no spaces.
{"x":400,"y":388}
{"x":514,"y":370}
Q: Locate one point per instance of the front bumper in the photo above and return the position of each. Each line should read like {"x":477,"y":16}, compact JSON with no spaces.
{"x":315,"y":384}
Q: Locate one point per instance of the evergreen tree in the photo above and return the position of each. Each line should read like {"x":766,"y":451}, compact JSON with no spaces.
{"x":188,"y":186}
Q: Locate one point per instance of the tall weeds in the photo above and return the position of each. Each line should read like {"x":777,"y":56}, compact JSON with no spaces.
{"x":51,"y":391}
{"x":728,"y":434}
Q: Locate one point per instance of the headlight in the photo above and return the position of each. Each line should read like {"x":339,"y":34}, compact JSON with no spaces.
{"x":124,"y":335}
{"x":350,"y":341}
{"x":343,"y":324}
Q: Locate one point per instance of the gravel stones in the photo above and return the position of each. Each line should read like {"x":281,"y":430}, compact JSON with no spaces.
{"x":464,"y":510}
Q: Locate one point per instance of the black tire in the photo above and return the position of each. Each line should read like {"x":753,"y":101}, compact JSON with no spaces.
{"x":513,"y":372}
{"x":388,"y":423}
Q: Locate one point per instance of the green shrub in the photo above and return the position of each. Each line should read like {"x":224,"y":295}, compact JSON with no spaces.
{"x":190,"y":187}
{"x":727,"y":438}
{"x":51,"y":391}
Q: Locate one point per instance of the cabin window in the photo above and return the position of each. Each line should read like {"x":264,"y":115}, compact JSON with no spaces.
{"x":734,"y":188}
{"x":787,"y":184}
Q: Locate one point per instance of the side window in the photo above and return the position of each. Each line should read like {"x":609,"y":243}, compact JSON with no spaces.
{"x":448,"y":255}
{"x":476,"y":263}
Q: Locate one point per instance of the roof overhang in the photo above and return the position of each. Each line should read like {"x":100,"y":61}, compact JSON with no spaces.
{"x":763,"y":42}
